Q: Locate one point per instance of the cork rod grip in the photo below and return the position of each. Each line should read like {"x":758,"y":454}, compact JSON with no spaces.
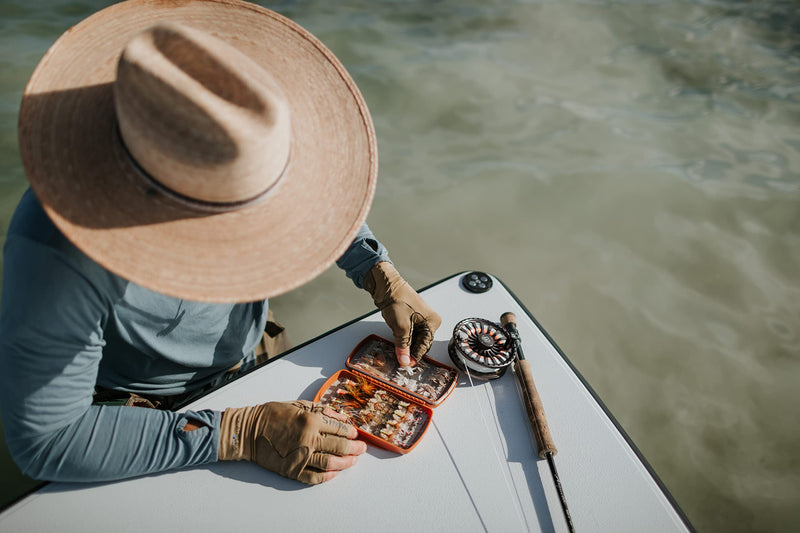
{"x":533,"y":404}
{"x":536,"y":416}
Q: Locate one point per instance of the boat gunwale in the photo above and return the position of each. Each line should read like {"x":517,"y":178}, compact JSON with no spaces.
{"x":648,"y":467}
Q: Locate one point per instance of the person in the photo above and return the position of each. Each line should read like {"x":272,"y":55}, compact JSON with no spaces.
{"x":187,"y":161}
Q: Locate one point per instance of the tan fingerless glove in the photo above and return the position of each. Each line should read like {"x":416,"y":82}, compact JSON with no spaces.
{"x":293,"y":439}
{"x":411,"y":320}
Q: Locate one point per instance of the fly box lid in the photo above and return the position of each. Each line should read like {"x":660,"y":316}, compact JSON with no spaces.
{"x":428,"y":381}
{"x":390,"y":405}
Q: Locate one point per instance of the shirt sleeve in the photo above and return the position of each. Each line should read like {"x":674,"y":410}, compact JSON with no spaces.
{"x":364,"y":253}
{"x":51,"y":340}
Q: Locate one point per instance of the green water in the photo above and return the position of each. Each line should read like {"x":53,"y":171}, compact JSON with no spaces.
{"x":630,"y":169}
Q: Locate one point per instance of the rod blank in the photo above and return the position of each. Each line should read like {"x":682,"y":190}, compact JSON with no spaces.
{"x":533,"y":405}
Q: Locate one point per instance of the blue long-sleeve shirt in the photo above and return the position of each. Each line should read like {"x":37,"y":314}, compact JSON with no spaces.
{"x":67,"y":325}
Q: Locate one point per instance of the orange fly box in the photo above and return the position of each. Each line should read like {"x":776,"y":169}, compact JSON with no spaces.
{"x":390,"y":405}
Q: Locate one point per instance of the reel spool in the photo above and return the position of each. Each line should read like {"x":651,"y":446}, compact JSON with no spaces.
{"x":481,"y":346}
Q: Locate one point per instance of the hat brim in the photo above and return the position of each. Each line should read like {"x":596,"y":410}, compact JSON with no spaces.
{"x":89,"y":187}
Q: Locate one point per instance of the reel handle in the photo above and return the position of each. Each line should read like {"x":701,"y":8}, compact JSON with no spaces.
{"x":508,"y":318}
{"x":533,"y":403}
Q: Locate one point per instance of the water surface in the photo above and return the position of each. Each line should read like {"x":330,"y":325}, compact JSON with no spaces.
{"x":631,"y":170}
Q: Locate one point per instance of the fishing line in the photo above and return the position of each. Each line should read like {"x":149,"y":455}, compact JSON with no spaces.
{"x":502,"y":463}
{"x":482,"y":347}
{"x":461,"y":477}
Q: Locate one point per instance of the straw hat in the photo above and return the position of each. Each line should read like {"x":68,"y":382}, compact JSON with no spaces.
{"x":210,"y":149}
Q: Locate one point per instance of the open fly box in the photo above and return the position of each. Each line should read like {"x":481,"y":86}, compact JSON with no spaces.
{"x":390,"y":405}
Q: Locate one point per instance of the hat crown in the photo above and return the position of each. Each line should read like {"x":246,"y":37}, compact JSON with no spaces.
{"x":203,"y":120}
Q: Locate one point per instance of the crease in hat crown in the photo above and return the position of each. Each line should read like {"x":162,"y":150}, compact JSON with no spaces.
{"x":203,"y":120}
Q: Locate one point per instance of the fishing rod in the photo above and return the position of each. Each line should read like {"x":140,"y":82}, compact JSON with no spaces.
{"x":533,"y":405}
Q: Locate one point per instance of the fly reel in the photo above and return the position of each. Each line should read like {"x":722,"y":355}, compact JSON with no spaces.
{"x":481,"y":347}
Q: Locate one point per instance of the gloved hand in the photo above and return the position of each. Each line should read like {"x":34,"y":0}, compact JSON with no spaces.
{"x":411,"y":320}
{"x":299,"y":440}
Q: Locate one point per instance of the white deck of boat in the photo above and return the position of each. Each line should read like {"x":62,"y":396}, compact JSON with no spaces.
{"x":474,"y":470}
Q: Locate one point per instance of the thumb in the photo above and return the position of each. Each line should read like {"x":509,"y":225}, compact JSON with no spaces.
{"x":403,"y":354}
